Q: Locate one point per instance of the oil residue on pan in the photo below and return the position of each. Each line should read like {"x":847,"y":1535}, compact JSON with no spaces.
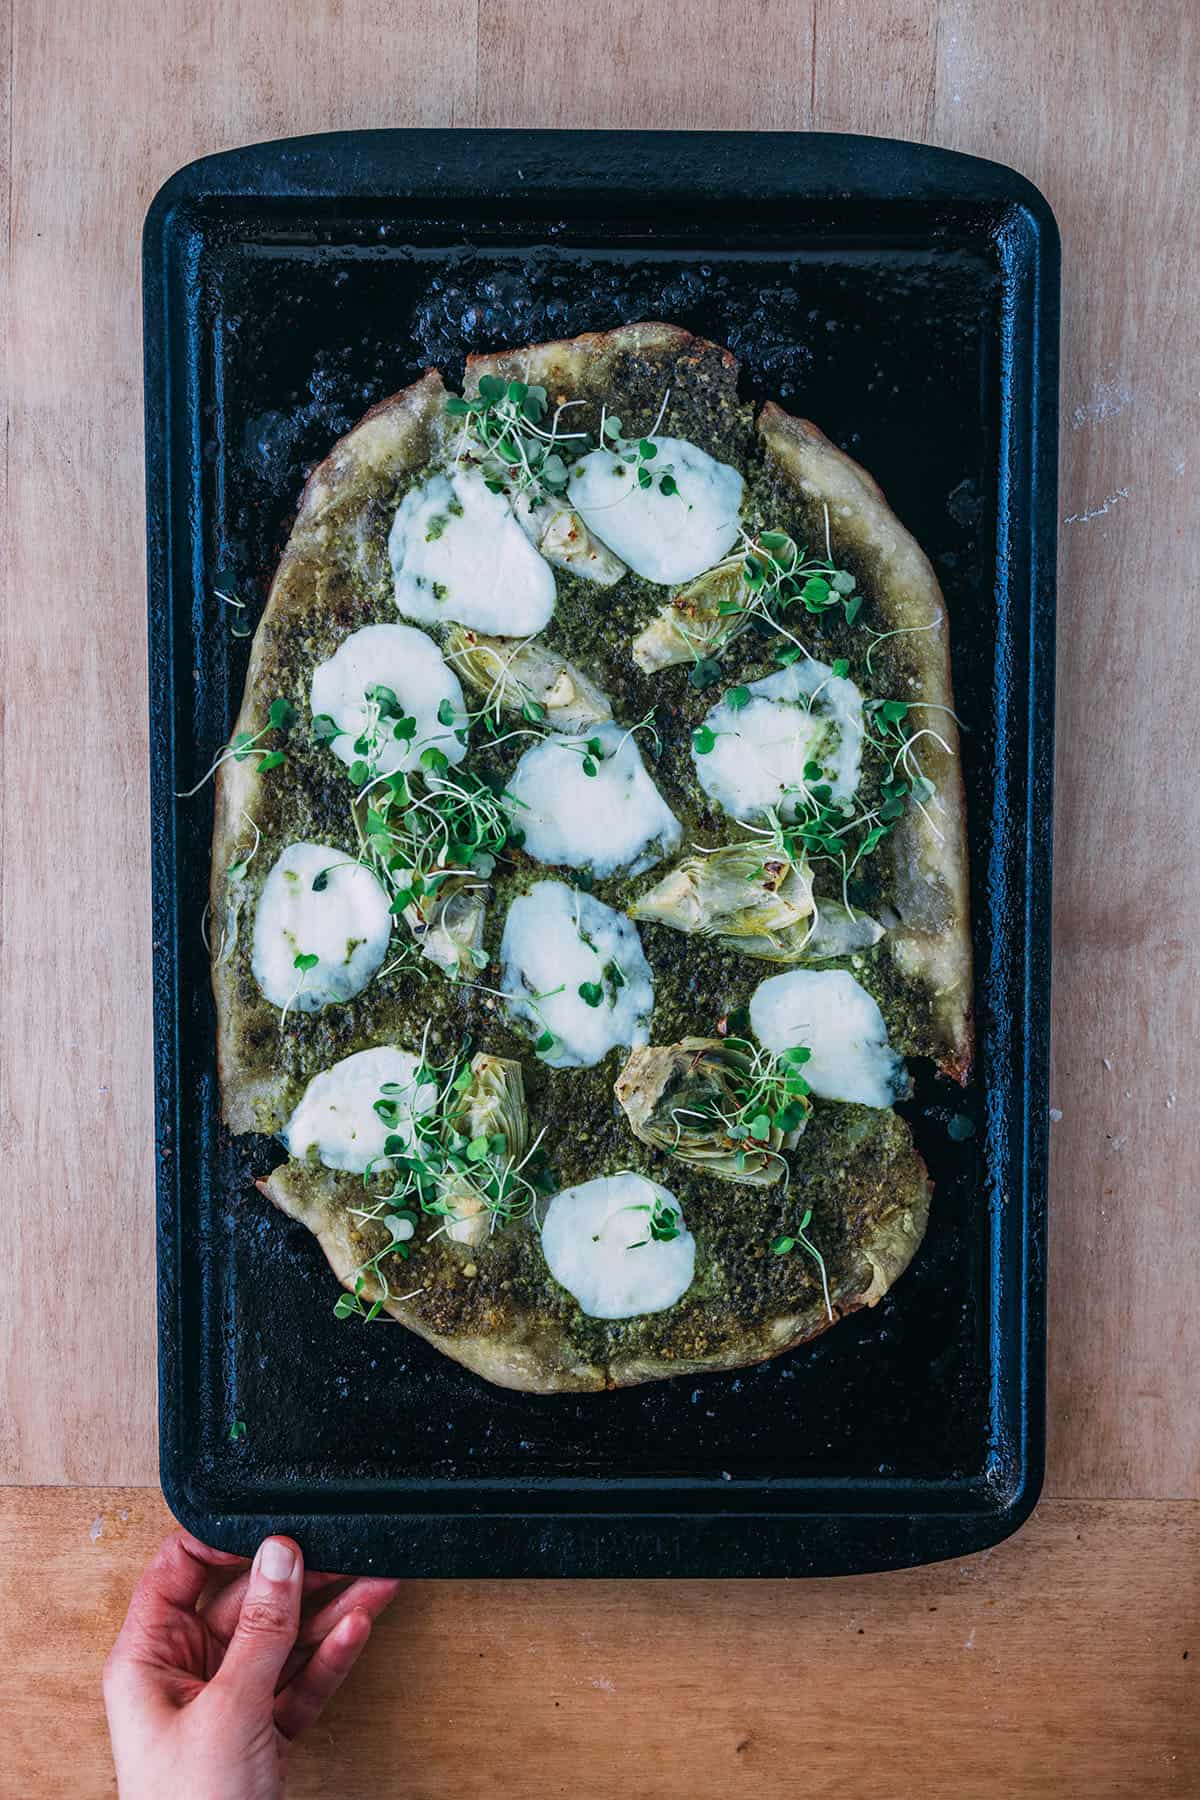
{"x":910,"y":1432}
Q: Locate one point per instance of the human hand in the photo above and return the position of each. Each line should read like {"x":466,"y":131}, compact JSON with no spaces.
{"x":203,"y":1701}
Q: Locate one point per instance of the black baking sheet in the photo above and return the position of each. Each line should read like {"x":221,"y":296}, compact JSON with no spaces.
{"x":907,"y":300}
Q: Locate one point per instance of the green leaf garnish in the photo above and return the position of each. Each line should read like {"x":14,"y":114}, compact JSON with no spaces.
{"x":281,"y":715}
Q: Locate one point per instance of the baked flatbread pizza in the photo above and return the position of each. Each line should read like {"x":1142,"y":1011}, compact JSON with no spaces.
{"x":588,"y":867}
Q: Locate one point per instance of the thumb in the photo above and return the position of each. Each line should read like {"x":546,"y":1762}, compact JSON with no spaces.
{"x":267,"y":1625}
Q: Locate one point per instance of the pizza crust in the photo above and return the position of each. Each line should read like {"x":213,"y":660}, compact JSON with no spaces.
{"x":583,"y":367}
{"x":927,"y":855}
{"x":330,"y":532}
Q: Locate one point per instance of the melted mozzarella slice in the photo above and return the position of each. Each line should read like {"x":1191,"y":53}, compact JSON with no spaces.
{"x":597,"y":1244}
{"x":665,"y":537}
{"x":458,"y":553}
{"x":613,"y":819}
{"x":400,"y":658}
{"x":557,"y":941}
{"x":344,"y":922}
{"x":833,"y":1016}
{"x":337,"y":1119}
{"x":804,"y":714}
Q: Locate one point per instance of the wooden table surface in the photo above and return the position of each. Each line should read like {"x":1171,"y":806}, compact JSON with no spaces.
{"x":1057,"y":1664}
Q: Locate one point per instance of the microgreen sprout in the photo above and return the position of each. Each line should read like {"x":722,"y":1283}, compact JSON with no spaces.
{"x":777,"y":576}
{"x":639,"y":456}
{"x":238,"y":627}
{"x":665,"y":1222}
{"x":773,"y":1096}
{"x":504,"y":430}
{"x":281,"y":716}
{"x":906,"y":781}
{"x":384,"y":721}
{"x":705,"y":672}
{"x":242,"y":859}
{"x":592,"y":749}
{"x":607,"y":989}
{"x":881,"y":637}
{"x":768,"y":1099}
{"x":423,"y":831}
{"x":783,"y":1246}
{"x":547,"y":1041}
{"x":304,"y":963}
{"x":352,"y":1305}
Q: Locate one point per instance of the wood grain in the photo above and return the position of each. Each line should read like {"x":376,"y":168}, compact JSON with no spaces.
{"x":1054,"y":1665}
{"x":638,"y":66}
{"x":1022,"y":1673}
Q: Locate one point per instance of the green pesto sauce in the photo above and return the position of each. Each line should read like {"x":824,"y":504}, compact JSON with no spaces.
{"x":852,"y":1166}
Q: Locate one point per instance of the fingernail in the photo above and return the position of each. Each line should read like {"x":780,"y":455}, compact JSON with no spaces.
{"x":276,"y":1560}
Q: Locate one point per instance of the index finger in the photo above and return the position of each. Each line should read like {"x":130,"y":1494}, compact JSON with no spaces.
{"x":173,"y":1579}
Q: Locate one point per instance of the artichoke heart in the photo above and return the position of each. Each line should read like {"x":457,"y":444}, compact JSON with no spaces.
{"x":560,"y":535}
{"x":512,"y":673}
{"x":690,"y":1100}
{"x":754,"y":901}
{"x":448,"y":925}
{"x":839,"y":930}
{"x":691,"y":624}
{"x":492,"y":1106}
